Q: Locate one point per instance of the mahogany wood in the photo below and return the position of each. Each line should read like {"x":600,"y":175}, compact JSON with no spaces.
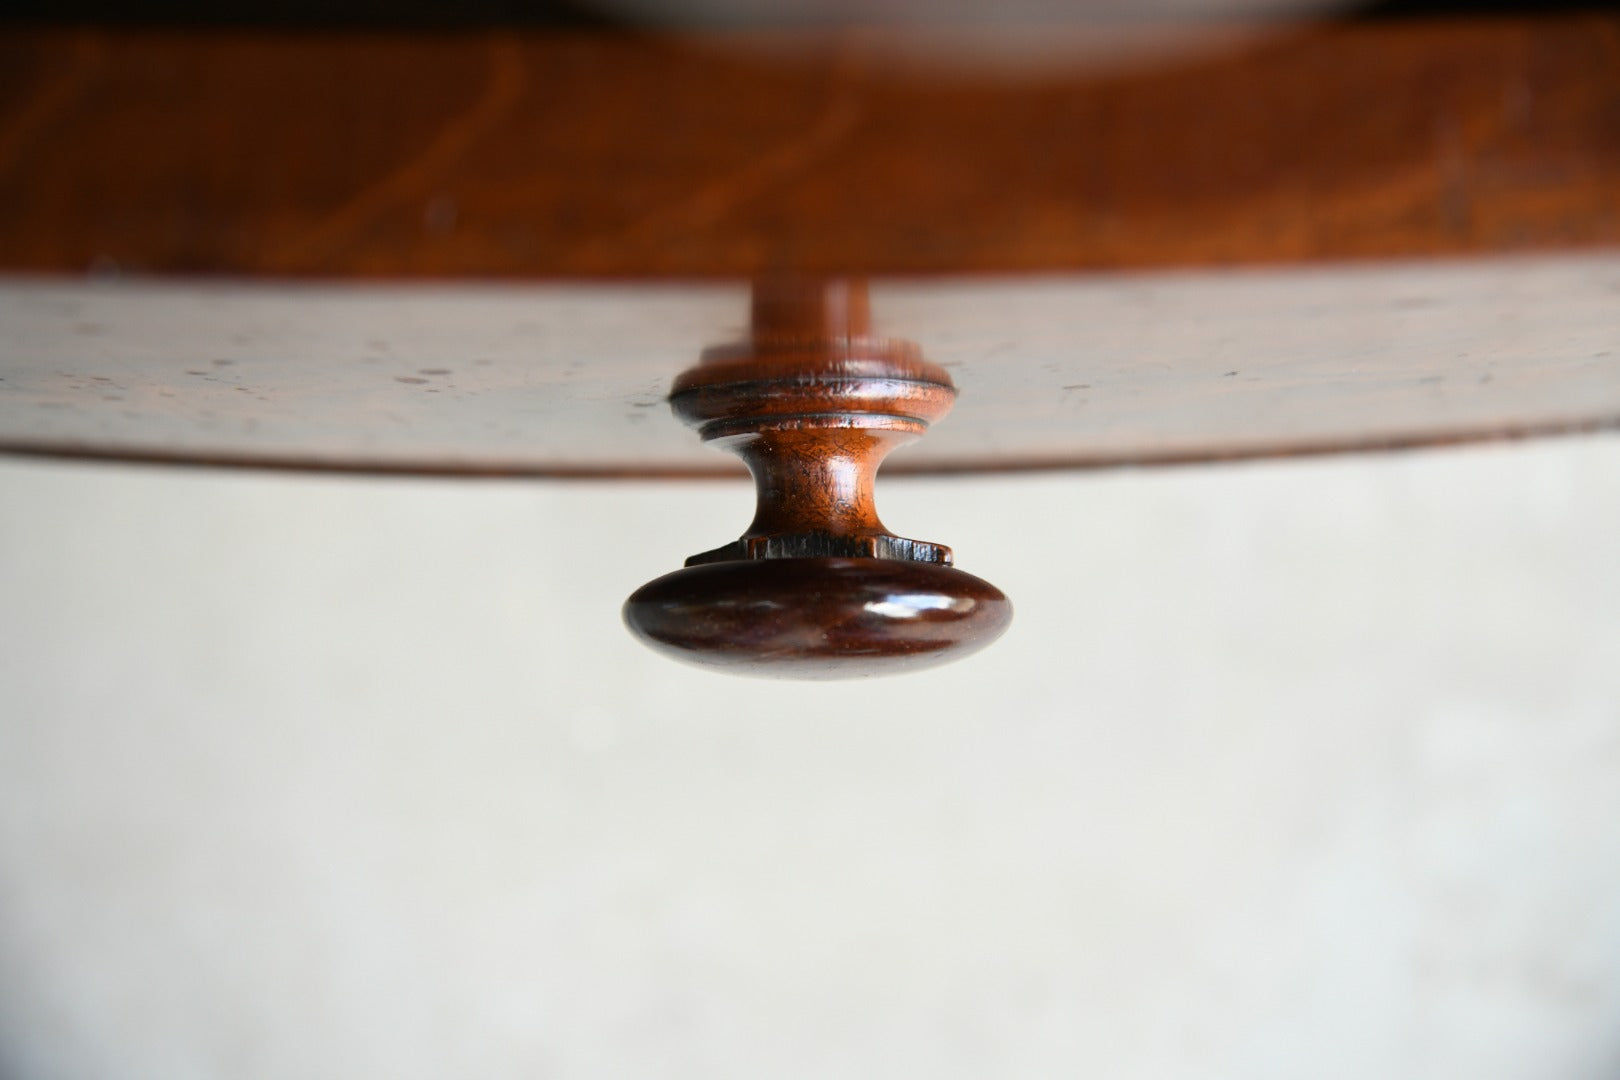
{"x":813,"y":403}
{"x":816,"y":587}
{"x":541,"y":155}
{"x":527,"y":154}
{"x":499,"y":154}
{"x":817,"y":618}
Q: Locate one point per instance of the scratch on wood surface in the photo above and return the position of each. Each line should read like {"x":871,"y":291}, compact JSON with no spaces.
{"x":413,"y":180}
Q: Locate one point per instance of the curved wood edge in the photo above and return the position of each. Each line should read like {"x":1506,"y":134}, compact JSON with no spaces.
{"x":725,"y":470}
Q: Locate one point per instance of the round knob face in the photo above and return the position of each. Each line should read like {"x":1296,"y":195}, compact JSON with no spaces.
{"x":817,"y":618}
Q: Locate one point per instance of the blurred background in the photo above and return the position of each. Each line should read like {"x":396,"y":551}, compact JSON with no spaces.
{"x":1284,"y":769}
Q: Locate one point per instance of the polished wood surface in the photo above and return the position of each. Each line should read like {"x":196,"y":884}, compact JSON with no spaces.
{"x":1070,"y":371}
{"x":1071,"y":237}
{"x":813,"y":401}
{"x":818,"y":618}
{"x":548,"y":155}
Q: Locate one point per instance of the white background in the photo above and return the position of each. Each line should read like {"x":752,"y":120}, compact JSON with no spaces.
{"x":1305,"y":769}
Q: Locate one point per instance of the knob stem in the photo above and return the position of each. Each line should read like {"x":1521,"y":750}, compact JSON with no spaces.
{"x":816,"y":586}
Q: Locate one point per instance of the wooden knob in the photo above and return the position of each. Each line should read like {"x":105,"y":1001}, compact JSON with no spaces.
{"x":816,"y":587}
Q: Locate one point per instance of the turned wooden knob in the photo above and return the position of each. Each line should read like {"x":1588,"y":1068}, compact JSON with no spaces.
{"x":816,"y":587}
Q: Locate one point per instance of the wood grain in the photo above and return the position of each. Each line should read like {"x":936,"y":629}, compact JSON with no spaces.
{"x":569,"y":155}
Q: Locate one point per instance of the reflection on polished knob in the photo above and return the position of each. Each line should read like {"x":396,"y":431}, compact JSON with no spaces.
{"x":816,"y":587}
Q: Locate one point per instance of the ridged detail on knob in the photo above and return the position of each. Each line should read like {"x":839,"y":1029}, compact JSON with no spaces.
{"x":816,"y":586}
